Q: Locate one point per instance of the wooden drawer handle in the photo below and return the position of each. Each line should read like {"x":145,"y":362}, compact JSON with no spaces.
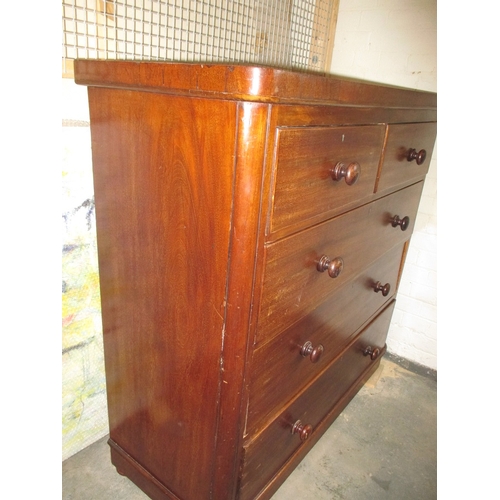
{"x":304,"y":431}
{"x":385,"y":289}
{"x":333,"y":266}
{"x":403,"y":223}
{"x":419,"y":157}
{"x":373,"y":353}
{"x":314,"y":353}
{"x":350,"y":172}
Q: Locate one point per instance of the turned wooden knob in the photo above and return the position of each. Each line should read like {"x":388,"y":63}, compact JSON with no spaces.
{"x":350,"y":172}
{"x":403,"y":223}
{"x":304,"y":431}
{"x":370,"y":351}
{"x":418,"y":156}
{"x":314,"y":353}
{"x":385,"y":289}
{"x":333,"y":266}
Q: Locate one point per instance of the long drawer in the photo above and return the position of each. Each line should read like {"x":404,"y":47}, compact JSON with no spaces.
{"x":322,"y":170}
{"x":293,"y":286}
{"x":265,"y":453}
{"x":282,"y":367}
{"x":407,"y":154}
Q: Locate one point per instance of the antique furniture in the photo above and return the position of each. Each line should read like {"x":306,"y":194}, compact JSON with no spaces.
{"x":252,"y":225}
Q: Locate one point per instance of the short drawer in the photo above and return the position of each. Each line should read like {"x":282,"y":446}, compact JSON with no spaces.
{"x":322,"y":171}
{"x":293,"y":285}
{"x":282,"y":367}
{"x":407,"y":154}
{"x":267,"y":452}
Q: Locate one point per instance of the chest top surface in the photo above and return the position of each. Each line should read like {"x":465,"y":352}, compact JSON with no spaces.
{"x":250,"y":83}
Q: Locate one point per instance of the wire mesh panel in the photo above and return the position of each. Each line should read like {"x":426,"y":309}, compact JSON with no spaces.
{"x":282,"y":33}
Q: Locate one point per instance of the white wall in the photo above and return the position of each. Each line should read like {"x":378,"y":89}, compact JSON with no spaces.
{"x":394,"y":42}
{"x":84,"y":409}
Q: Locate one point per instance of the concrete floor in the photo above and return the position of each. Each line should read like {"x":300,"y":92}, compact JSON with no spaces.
{"x":383,"y":446}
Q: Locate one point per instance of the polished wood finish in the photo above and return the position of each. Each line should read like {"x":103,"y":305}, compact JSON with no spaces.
{"x":277,"y":367}
{"x":314,"y":353}
{"x":292,"y":285}
{"x":248,"y":83}
{"x":406,"y":142}
{"x":248,"y":260}
{"x":419,"y":156}
{"x":303,"y":430}
{"x":163,"y":293}
{"x":265,"y":452}
{"x":403,"y":223}
{"x":244,"y":255}
{"x":307,"y":173}
{"x":349,"y":172}
{"x":385,"y":289}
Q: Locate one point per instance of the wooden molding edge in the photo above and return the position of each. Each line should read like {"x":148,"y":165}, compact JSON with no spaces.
{"x":331,"y":38}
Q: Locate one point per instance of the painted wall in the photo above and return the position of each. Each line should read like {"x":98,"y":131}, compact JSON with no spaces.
{"x":394,"y":42}
{"x":84,"y":409}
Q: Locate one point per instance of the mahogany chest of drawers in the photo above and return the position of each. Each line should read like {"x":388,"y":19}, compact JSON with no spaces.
{"x":252,"y":225}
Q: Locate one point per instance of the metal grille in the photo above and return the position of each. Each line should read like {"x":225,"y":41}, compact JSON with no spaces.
{"x":281,"y":33}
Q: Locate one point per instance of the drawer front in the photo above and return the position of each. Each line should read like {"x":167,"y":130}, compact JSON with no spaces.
{"x":406,"y":141}
{"x":316,"y":168}
{"x":282,"y":367}
{"x":266,"y":453}
{"x":292,"y":284}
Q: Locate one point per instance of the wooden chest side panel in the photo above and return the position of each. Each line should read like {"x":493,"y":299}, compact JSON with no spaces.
{"x":163,"y":175}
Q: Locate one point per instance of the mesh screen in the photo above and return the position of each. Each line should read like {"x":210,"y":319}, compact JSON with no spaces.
{"x":281,"y":33}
